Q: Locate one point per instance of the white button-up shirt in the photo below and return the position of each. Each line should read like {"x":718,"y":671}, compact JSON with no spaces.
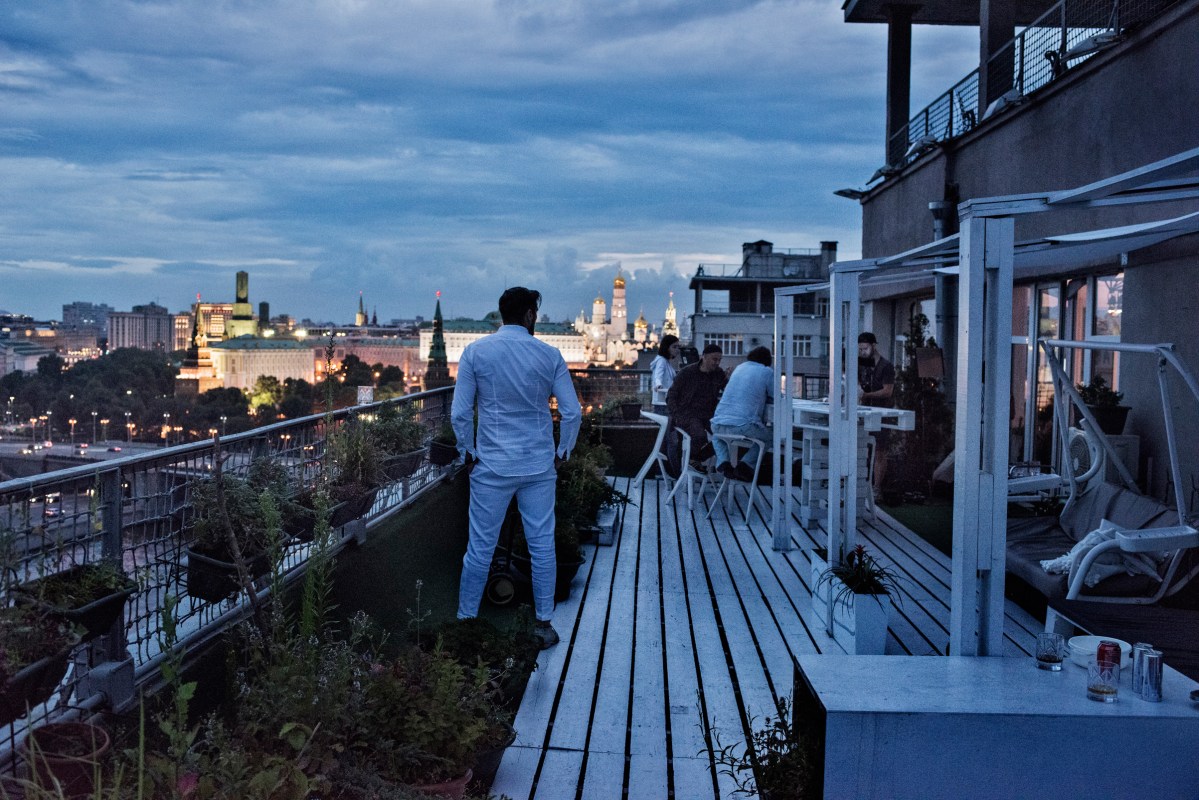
{"x":510,"y":376}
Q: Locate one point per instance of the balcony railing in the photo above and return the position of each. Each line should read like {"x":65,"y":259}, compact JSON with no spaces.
{"x":1066,"y":35}
{"x":138,"y":511}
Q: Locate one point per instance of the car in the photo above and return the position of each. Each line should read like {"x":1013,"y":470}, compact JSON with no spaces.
{"x":49,"y":512}
{"x":48,"y":443}
{"x":26,"y":451}
{"x":114,"y":449}
{"x":39,"y":447}
{"x":83,"y":445}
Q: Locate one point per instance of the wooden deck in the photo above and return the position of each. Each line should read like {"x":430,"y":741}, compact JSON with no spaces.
{"x":685,"y":630}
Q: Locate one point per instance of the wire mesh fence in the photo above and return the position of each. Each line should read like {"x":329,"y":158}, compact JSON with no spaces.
{"x":138,"y":512}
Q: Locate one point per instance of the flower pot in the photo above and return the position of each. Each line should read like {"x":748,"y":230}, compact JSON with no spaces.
{"x":398,"y":467}
{"x":562,"y":580}
{"x":212,"y":579}
{"x":95,"y":616}
{"x":860,"y":622}
{"x":32,"y":685}
{"x":453,"y":789}
{"x":487,"y":761}
{"x":66,"y":754}
{"x":1111,"y":419}
{"x":442,"y":454}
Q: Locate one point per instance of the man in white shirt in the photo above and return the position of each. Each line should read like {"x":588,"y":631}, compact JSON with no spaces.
{"x":509,"y":377}
{"x":741,"y":411}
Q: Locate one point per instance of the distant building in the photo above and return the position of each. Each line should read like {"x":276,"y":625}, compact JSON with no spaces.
{"x":214,"y":320}
{"x":146,"y":327}
{"x":458,"y":333}
{"x":734,"y":303}
{"x":21,"y":355}
{"x":239,"y":363}
{"x":242,"y":323}
{"x":81,"y":315}
{"x":608,"y":339}
{"x":437,"y":370}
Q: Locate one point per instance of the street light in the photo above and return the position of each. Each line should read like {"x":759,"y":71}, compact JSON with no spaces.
{"x":103,"y":428}
{"x":166,"y":429}
{"x":224,"y":419}
{"x":128,"y":427}
{"x":72,"y":422}
{"x":94,"y":414}
{"x":49,"y":435}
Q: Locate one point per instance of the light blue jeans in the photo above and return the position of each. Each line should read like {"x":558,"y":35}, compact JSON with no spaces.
{"x":490,"y":495}
{"x":754,"y":430}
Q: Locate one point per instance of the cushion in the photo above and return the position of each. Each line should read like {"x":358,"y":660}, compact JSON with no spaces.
{"x":1112,"y":562}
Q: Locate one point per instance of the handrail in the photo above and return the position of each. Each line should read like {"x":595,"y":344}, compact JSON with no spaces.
{"x":1067,"y":34}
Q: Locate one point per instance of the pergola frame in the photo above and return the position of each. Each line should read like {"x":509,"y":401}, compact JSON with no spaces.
{"x":986,"y":256}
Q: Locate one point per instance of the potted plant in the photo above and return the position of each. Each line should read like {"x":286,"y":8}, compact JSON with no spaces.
{"x":778,"y":764}
{"x":443,"y":447}
{"x":569,"y":556}
{"x":400,"y":437}
{"x":1104,"y":404}
{"x":355,"y":473}
{"x":859,"y":589}
{"x":34,"y":648}
{"x":628,"y":405}
{"x":64,"y":757}
{"x":232,"y":524}
{"x":90,"y":596}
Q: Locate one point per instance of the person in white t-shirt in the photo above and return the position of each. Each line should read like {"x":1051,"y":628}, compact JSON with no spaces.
{"x":662,"y":371}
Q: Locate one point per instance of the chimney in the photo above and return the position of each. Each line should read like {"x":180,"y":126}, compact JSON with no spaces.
{"x":828,"y":255}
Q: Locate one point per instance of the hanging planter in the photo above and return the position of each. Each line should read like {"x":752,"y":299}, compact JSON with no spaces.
{"x":213,"y":578}
{"x":64,"y":757}
{"x":89,"y":596}
{"x":34,"y":652}
{"x":396,"y":468}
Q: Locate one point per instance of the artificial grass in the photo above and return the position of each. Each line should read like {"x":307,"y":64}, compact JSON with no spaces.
{"x":424,"y":542}
{"x":932,"y":522}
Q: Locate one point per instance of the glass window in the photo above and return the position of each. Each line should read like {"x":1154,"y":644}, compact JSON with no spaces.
{"x":802,"y":346}
{"x":731,"y":344}
{"x":1109,"y":305}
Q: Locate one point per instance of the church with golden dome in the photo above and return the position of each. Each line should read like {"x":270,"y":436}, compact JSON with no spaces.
{"x":609,"y":338}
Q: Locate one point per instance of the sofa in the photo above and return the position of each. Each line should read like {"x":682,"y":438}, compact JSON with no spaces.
{"x":1035,"y":539}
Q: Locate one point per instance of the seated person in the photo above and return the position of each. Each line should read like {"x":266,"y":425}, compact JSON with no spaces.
{"x":876,"y":385}
{"x":692,"y":400}
{"x":741,"y":411}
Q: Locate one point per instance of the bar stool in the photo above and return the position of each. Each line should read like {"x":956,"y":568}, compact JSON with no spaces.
{"x":689,"y":473}
{"x":656,"y":455}
{"x":736,"y":443}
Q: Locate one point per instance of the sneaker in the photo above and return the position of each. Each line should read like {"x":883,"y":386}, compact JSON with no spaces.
{"x":743,"y":472}
{"x":545,"y":634}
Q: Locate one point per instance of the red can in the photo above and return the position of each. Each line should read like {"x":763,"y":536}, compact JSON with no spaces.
{"x":1108,"y":651}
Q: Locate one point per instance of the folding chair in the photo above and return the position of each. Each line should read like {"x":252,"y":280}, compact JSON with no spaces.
{"x":689,"y":473}
{"x":736,"y":444}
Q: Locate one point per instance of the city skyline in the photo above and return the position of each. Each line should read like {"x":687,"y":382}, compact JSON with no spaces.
{"x":151,"y":151}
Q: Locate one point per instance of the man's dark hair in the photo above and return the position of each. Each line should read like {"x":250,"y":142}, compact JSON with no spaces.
{"x":866,"y":337}
{"x":665,"y":345}
{"x":515,"y":302}
{"x":759,"y":354}
{"x":712,"y":348}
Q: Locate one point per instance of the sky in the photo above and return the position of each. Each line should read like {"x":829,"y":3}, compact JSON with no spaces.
{"x":150,"y":150}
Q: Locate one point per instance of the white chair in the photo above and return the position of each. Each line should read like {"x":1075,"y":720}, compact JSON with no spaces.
{"x":736,"y":443}
{"x":689,"y":473}
{"x":656,"y":455}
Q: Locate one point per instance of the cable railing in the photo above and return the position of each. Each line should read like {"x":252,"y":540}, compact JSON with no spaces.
{"x":1069,"y":33}
{"x":137,"y":512}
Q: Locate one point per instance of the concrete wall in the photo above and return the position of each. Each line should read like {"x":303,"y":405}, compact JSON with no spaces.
{"x":1134,"y":104}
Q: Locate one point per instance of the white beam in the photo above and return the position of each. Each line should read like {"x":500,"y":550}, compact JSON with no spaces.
{"x":980,"y":468}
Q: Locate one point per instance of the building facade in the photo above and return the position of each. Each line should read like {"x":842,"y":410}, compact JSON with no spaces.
{"x":734,"y":303}
{"x":1096,"y":94}
{"x":239,"y":363}
{"x":146,"y":327}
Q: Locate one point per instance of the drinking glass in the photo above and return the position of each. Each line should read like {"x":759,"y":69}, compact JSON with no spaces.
{"x":1102,"y":677}
{"x":1051,"y":651}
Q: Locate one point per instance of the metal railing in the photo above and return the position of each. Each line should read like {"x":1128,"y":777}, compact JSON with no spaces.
{"x":1066,"y":35}
{"x":596,"y":387}
{"x":137,"y":512}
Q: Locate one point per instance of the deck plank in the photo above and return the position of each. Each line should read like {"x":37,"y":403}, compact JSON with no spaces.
{"x":688,"y":624}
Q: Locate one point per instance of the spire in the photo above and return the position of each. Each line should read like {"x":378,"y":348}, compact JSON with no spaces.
{"x":437,"y":372}
{"x":375,"y":316}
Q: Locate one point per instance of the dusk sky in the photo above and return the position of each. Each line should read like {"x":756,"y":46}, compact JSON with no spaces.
{"x":150,"y":150}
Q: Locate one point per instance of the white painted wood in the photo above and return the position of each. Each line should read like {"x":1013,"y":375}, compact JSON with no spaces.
{"x":559,"y":776}
{"x":980,"y":466}
{"x":604,"y":776}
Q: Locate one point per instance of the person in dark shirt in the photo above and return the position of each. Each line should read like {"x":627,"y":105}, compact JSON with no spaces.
{"x":876,"y":386}
{"x":692,"y":401}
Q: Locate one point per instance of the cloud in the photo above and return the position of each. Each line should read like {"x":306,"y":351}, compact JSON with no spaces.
{"x":337,"y":146}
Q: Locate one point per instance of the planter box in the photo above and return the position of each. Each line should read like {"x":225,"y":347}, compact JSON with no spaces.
{"x":95,"y":618}
{"x":398,"y":467}
{"x":859,"y":621}
{"x":606,"y":523}
{"x":32,"y":685}
{"x":442,"y":454}
{"x":213,"y":580}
